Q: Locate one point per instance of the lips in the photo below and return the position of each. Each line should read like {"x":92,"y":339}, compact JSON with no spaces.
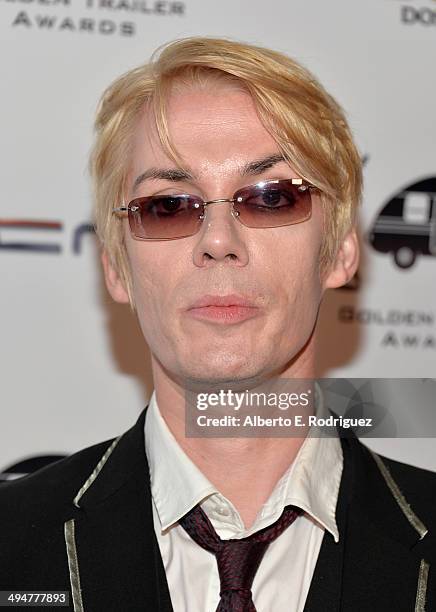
{"x":231,"y":308}
{"x":222,"y":301}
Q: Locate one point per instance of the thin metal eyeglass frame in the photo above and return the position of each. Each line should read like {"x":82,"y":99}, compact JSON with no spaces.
{"x":294,"y":181}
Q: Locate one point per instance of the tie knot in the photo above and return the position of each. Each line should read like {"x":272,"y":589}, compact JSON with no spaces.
{"x":238,"y":561}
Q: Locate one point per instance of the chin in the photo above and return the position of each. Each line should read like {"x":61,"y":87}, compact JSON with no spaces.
{"x":217,"y":372}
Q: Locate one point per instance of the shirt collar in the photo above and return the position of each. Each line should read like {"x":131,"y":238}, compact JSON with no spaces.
{"x":174,"y":491}
{"x":311,"y":482}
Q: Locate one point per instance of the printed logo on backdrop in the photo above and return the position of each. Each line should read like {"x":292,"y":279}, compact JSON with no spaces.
{"x":404,"y":229}
{"x":412,"y":330}
{"x":102,"y":17}
{"x":418,"y":13}
{"x":39,"y":236}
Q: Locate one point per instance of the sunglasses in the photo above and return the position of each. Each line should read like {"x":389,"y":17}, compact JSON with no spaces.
{"x":267,"y":204}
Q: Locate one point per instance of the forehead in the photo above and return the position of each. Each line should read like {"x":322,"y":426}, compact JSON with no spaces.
{"x":215,"y":130}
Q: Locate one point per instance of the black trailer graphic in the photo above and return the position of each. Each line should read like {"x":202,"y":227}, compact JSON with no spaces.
{"x":406,"y":225}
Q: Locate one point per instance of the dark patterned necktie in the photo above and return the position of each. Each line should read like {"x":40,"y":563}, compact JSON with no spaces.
{"x":237,"y":560}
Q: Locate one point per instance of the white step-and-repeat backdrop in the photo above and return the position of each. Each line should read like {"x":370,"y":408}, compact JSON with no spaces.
{"x":74,"y":369}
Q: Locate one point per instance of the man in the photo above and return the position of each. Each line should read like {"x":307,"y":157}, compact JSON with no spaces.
{"x":226,"y":187}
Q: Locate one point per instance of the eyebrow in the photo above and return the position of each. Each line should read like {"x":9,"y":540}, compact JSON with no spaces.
{"x":260,"y":165}
{"x":252,"y":168}
{"x":166,"y":174}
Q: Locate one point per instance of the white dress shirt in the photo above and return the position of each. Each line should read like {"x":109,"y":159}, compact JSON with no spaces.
{"x":282,"y":581}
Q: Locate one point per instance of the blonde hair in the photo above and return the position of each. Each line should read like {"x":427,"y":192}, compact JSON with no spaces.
{"x":308,"y":125}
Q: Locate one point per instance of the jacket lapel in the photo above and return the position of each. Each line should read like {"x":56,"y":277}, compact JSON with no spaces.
{"x":114,"y":557}
{"x":377,"y":563}
{"x":325,"y":590}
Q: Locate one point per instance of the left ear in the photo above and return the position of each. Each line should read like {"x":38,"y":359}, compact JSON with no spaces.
{"x":344,"y":266}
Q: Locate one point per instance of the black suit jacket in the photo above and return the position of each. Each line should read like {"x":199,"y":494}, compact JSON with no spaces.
{"x":103,"y":550}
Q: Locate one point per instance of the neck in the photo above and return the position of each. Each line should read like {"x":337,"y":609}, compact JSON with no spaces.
{"x":257,"y":461}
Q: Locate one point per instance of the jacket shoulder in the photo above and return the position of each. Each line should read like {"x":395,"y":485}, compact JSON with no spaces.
{"x":414,"y":486}
{"x":416,"y":476}
{"x":53,"y":486}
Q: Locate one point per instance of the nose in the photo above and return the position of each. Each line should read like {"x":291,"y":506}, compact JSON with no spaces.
{"x":220,"y":238}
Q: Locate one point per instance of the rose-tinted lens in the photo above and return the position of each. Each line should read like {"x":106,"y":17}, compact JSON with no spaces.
{"x":274,"y":204}
{"x":165,"y":216}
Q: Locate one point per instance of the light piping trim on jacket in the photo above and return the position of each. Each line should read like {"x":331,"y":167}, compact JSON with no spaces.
{"x":95,"y":472}
{"x":73,"y":566}
{"x":421,"y":592}
{"x":416,"y":523}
